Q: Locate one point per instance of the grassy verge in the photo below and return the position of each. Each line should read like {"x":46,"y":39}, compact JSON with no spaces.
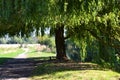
{"x":5,"y":56}
{"x":73,"y":71}
{"x":40,"y":54}
{"x":68,"y":71}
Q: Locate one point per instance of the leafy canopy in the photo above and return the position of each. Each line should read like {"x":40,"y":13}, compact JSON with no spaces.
{"x":80,"y":17}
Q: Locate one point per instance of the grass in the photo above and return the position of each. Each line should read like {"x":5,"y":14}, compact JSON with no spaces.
{"x":11,"y":54}
{"x":8,"y":53}
{"x":54,"y":70}
{"x":80,"y":75}
{"x":73,"y":71}
{"x":33,"y":52}
{"x":4,"y":50}
{"x":40,"y":54}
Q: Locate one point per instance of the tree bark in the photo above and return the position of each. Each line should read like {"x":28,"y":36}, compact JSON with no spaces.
{"x":60,"y":43}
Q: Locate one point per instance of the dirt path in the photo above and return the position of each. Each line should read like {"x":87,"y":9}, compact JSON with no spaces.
{"x":23,"y":55}
{"x":19,"y":68}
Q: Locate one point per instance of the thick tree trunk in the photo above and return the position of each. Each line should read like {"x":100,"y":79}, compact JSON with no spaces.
{"x":60,"y":43}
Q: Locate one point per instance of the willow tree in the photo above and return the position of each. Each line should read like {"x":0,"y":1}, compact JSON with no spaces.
{"x":78,"y":17}
{"x":21,"y":17}
{"x":99,"y":20}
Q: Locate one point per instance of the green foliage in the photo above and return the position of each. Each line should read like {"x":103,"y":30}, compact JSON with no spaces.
{"x":48,"y":41}
{"x":18,"y":40}
{"x":81,"y":18}
{"x":2,"y":41}
{"x":72,"y":50}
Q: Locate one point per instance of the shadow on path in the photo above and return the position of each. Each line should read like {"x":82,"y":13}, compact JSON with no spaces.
{"x":16,"y":68}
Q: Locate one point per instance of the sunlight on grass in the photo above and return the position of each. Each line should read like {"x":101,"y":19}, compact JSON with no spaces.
{"x":79,"y":75}
{"x":56,"y":71}
{"x":40,"y":54}
{"x":7,"y":50}
{"x":7,"y":53}
{"x":12,"y":54}
{"x":85,"y":75}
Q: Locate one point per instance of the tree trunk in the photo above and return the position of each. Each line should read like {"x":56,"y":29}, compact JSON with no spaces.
{"x":60,"y":43}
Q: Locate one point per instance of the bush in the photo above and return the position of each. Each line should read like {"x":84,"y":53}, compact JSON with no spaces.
{"x":47,"y":41}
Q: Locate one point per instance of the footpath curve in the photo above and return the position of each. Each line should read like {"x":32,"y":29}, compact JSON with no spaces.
{"x":19,"y":68}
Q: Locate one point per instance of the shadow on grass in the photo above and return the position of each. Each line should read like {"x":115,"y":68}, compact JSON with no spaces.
{"x":11,"y":68}
{"x":51,"y":67}
{"x":20,"y":68}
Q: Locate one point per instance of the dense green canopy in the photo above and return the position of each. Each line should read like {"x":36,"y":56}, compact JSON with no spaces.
{"x":24,"y":15}
{"x":82,"y":19}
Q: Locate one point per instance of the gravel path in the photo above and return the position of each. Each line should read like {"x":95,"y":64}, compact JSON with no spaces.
{"x":19,"y":68}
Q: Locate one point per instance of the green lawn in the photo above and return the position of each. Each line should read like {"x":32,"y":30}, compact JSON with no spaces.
{"x":61,"y":70}
{"x":6,"y":53}
{"x":11,"y":54}
{"x":40,"y":54}
{"x":4,"y":50}
{"x":69,"y":71}
{"x":72,"y":71}
{"x":80,"y":75}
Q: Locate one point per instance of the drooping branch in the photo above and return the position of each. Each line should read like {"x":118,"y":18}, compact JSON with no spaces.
{"x":101,"y":39}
